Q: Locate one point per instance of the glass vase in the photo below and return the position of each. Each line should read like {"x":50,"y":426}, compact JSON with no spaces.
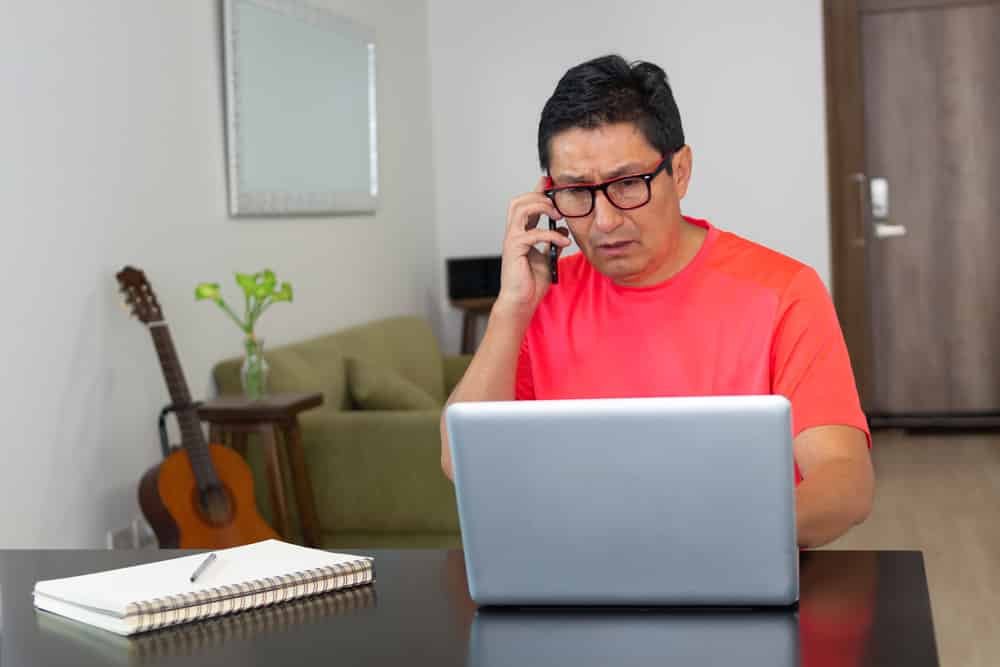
{"x":253,"y":372}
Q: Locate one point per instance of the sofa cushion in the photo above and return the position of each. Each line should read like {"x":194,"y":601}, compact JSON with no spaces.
{"x":378,"y":471}
{"x":405,"y":344}
{"x":375,"y":387}
{"x":328,"y":367}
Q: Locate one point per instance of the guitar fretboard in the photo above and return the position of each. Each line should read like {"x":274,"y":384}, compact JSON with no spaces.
{"x":192,"y":437}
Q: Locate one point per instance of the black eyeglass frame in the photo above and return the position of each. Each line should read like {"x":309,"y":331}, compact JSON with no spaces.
{"x":603,"y":187}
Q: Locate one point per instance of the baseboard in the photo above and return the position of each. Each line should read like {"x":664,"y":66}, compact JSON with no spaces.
{"x":938,"y":421}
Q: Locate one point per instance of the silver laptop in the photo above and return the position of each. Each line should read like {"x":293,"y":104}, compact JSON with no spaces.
{"x":647,"y":501}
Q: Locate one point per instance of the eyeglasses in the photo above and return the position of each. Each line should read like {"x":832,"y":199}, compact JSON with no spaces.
{"x":624,"y":192}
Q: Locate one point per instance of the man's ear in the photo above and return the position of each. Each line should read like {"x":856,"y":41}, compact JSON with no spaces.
{"x":681,"y":162}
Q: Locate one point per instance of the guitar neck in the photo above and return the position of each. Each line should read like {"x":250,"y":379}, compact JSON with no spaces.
{"x":192,"y":437}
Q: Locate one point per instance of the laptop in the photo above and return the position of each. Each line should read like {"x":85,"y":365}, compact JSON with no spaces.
{"x":647,"y":501}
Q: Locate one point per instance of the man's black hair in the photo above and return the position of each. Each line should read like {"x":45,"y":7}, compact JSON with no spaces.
{"x":609,"y":90}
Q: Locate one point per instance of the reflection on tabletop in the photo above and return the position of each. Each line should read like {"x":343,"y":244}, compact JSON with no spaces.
{"x":837,"y":609}
{"x":192,"y":639}
{"x":831,"y":626}
{"x":582,"y":638}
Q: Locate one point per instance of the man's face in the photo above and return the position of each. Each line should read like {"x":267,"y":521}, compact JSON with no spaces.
{"x":632,"y":247}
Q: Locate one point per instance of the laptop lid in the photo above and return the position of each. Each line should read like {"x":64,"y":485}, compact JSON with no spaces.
{"x":647,"y":501}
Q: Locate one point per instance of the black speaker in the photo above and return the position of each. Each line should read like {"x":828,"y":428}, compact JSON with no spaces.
{"x":473,"y":277}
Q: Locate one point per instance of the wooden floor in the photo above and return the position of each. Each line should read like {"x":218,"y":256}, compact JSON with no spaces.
{"x":940,"y":494}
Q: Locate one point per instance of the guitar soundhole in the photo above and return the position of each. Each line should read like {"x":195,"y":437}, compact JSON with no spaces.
{"x":215,"y":505}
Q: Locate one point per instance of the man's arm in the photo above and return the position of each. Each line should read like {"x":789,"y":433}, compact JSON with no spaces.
{"x":490,"y":375}
{"x":524,"y":279}
{"x":838,"y":482}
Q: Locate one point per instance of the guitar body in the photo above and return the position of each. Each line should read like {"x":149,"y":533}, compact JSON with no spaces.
{"x":169,"y":498}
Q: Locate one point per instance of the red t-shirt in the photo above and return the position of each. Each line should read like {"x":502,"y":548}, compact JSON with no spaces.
{"x":738,"y":319}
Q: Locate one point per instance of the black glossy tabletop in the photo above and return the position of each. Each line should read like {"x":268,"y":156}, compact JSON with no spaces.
{"x":857,"y":608}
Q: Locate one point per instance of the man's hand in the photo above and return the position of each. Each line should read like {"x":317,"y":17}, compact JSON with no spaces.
{"x":524,"y":278}
{"x":838,"y":482}
{"x":524,"y":273}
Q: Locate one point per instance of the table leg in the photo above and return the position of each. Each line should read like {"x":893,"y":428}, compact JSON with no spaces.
{"x":305,"y":500}
{"x":279,"y":508}
{"x":468,"y":332}
{"x":238,"y":439}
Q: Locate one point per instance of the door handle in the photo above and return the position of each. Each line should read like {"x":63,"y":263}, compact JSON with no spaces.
{"x":879,"y":189}
{"x":883,"y":231}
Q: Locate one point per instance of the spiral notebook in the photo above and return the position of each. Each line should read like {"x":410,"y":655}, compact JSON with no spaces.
{"x":156,"y":595}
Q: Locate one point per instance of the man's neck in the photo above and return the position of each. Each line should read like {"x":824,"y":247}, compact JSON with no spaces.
{"x":688,"y":240}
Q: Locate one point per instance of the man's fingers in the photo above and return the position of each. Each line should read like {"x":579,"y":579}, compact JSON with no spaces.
{"x":524,"y":211}
{"x":565,"y":232}
{"x":534,"y":236}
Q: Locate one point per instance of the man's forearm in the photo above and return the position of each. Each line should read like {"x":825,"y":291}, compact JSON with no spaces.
{"x":831,"y":500}
{"x":491,"y":373}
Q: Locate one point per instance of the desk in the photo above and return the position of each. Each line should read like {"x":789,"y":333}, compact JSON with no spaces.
{"x":858,"y":608}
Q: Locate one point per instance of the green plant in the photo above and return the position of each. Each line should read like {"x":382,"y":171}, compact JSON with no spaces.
{"x":259,"y":291}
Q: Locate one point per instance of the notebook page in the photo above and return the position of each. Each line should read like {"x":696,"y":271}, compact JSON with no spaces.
{"x":111,"y":591}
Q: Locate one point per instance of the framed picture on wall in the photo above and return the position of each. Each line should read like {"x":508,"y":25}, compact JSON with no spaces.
{"x":301,"y":126}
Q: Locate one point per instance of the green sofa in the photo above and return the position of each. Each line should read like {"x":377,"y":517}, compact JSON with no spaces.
{"x":373,"y":449}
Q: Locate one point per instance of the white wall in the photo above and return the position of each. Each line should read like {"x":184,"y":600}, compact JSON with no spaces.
{"x":748,"y":79}
{"x":112,"y":152}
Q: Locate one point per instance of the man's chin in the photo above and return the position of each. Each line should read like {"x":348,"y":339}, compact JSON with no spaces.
{"x":620,"y":271}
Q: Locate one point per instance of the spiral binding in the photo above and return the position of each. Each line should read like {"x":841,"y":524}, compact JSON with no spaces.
{"x":224,"y":600}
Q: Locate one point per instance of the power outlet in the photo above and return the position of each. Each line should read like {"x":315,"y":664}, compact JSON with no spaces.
{"x":136,"y":535}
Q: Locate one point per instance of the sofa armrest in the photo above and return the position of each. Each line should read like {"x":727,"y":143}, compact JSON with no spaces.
{"x":379,"y":471}
{"x":454,"y":369}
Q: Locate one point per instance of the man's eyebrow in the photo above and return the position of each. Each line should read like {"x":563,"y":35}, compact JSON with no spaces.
{"x":623,"y":170}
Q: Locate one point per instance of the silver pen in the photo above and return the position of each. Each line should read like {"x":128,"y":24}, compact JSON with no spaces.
{"x":201,"y":568}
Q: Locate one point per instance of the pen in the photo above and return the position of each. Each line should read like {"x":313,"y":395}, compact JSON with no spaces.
{"x":201,"y":568}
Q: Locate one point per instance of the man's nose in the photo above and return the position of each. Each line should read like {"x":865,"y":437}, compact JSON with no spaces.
{"x":607,"y":217}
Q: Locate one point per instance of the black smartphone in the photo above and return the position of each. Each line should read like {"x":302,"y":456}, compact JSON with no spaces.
{"x":553,"y":256}
{"x":553,"y":249}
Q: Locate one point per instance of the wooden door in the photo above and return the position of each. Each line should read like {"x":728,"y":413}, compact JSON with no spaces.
{"x":924,"y":240}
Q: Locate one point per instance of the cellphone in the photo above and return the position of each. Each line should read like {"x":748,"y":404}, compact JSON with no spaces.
{"x":553,"y":249}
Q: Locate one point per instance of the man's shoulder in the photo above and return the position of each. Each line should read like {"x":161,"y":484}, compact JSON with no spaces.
{"x":753,"y":263}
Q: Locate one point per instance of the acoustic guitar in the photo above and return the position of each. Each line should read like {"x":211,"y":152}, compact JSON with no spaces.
{"x":201,"y":495}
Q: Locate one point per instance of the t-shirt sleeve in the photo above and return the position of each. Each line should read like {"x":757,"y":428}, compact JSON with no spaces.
{"x":809,"y":361}
{"x":524,"y":386}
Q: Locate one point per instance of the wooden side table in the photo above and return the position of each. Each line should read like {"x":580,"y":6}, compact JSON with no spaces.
{"x":273,"y":418}
{"x":472,"y":309}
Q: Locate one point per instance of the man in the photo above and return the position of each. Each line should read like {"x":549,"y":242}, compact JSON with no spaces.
{"x":659,"y":304}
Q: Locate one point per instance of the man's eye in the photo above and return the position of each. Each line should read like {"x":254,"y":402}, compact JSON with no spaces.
{"x":573,"y":192}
